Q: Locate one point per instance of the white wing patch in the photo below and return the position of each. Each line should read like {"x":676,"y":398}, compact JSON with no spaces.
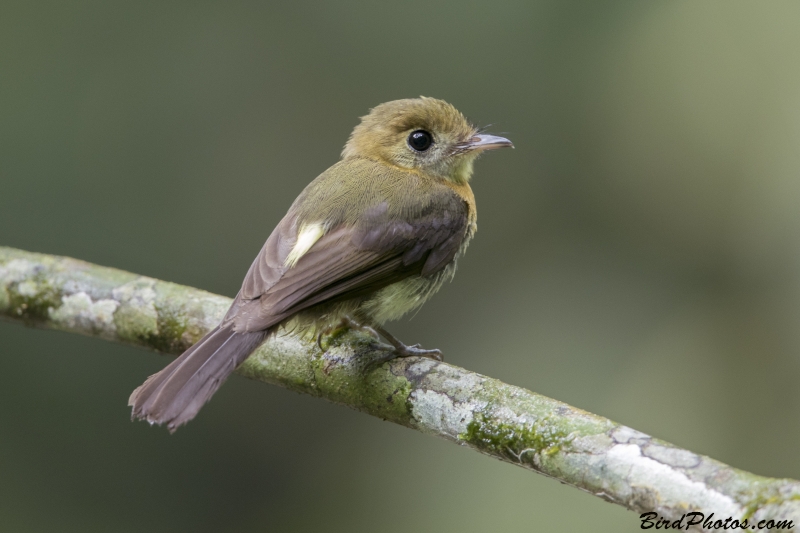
{"x":309,"y":234}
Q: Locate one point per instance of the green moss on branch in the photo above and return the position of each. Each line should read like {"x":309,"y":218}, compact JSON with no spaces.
{"x":616,"y":463}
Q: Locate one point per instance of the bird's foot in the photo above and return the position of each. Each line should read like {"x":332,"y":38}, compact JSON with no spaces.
{"x":352,"y":324}
{"x":348,"y":323}
{"x":393,"y":350}
{"x":416,"y":349}
{"x":402,"y":350}
{"x":330,"y":332}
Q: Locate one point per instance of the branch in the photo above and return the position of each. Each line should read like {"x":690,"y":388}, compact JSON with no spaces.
{"x":614,"y":462}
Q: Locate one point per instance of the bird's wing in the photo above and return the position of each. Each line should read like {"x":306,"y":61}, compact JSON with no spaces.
{"x":348,"y":261}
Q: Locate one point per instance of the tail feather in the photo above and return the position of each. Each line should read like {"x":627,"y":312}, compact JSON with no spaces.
{"x":175,"y":395}
{"x":143,"y":397}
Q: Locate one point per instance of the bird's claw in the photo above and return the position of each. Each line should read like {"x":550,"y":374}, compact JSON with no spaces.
{"x":417,"y":350}
{"x":394,"y":349}
{"x":319,"y":341}
{"x":349,"y":323}
{"x":352,"y":324}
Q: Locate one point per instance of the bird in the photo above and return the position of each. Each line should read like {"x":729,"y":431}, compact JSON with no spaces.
{"x":369,"y":240}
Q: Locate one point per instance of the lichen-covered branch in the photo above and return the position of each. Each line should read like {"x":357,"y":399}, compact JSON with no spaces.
{"x":617,"y":463}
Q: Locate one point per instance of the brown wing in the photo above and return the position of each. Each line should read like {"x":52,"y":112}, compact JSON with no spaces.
{"x":349,"y":261}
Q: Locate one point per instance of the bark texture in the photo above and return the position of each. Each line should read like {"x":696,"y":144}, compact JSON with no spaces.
{"x":614,"y":462}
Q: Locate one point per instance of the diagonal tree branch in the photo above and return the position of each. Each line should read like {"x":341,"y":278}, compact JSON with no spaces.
{"x":614,"y":462}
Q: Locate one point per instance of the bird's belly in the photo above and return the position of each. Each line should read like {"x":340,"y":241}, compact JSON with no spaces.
{"x":394,"y":301}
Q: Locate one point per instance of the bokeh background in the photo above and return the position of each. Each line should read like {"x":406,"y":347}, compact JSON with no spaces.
{"x":637,"y":254}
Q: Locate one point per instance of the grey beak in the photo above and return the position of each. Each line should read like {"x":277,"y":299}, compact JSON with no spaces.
{"x":488,"y":142}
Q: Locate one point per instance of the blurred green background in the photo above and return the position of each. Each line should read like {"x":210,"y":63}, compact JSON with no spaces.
{"x":637,"y":254}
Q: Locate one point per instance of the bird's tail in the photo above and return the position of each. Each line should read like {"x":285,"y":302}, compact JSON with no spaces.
{"x":175,"y":395}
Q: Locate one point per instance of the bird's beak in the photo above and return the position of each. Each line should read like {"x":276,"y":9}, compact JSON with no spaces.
{"x":487,"y":142}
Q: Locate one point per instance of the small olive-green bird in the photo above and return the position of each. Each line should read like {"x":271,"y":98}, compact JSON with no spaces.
{"x":372,"y":238}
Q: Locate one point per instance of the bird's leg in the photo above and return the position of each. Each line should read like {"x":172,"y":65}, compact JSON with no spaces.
{"x":401,"y":350}
{"x":344,"y":323}
{"x":398,"y":349}
{"x":319,"y":339}
{"x":352,"y":324}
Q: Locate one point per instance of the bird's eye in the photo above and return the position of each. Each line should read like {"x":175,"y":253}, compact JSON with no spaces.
{"x":420,"y":140}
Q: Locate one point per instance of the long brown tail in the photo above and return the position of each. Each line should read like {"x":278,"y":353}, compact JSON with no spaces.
{"x":175,"y":395}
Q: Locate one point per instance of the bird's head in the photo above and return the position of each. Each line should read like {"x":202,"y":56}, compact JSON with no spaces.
{"x":422,"y":134}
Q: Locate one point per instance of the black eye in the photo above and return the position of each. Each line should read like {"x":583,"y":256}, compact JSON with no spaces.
{"x":420,"y":140}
